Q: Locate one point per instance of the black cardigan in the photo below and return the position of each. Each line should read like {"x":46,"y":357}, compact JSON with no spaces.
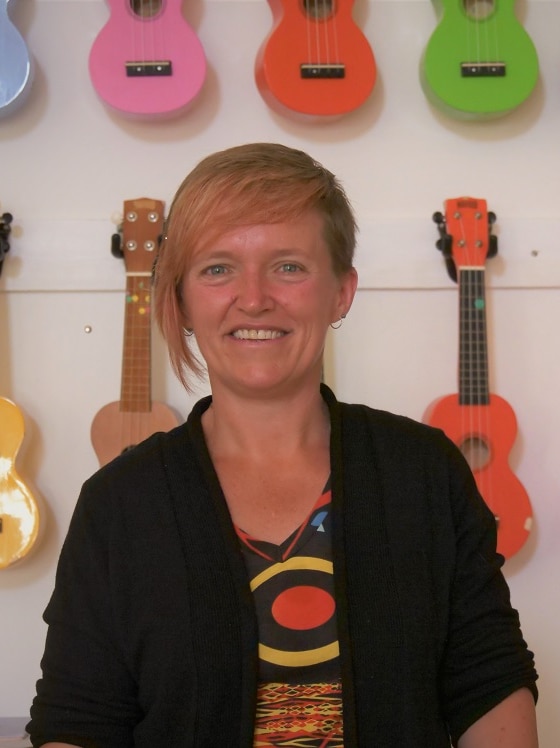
{"x":152,"y":638}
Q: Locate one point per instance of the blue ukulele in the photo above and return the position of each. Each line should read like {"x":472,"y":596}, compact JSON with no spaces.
{"x":15,"y":64}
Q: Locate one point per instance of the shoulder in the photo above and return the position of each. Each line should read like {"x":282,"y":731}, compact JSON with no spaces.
{"x":362,"y":425}
{"x":391,"y":431}
{"x":154,"y":463}
{"x":143,"y":461}
{"x":401,"y":452}
{"x":408,"y":463}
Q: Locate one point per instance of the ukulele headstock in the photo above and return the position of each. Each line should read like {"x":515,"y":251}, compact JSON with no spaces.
{"x":465,"y":230}
{"x":140,"y":234}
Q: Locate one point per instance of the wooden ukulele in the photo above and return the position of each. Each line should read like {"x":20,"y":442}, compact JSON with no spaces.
{"x":122,"y":424}
{"x":315,"y":61}
{"x":147,"y":61}
{"x":479,"y":62}
{"x":15,"y":64}
{"x":481,"y":423}
{"x":19,"y":513}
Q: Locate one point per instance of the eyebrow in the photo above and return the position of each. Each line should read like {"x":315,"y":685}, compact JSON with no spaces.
{"x":217,"y":254}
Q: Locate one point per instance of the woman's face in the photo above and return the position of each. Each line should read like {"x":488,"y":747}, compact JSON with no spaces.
{"x":260,"y":299}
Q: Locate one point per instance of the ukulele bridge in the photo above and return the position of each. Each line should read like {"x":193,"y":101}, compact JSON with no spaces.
{"x":308,"y":70}
{"x":154,"y":68}
{"x":483,"y":69}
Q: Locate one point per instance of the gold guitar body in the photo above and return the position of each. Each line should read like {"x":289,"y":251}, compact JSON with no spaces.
{"x":19,"y":513}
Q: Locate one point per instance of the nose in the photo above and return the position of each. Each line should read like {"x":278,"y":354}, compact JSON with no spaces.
{"x":253,"y":292}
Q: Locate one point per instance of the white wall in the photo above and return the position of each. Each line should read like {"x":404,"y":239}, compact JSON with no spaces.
{"x":67,"y":165}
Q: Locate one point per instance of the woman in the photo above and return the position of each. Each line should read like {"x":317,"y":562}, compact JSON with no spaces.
{"x":283,"y":569}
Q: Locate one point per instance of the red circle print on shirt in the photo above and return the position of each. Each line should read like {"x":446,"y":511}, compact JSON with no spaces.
{"x":303,"y":607}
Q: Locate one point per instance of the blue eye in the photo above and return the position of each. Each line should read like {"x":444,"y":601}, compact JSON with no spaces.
{"x":289,"y":267}
{"x":215,"y":270}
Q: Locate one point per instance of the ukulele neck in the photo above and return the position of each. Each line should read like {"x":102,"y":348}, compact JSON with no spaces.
{"x":136,"y":364}
{"x":473,"y":346}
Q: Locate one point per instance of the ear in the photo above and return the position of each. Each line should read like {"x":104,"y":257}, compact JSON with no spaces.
{"x":348,"y":285}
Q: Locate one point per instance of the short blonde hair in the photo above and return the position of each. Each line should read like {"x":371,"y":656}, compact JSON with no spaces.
{"x":247,"y":184}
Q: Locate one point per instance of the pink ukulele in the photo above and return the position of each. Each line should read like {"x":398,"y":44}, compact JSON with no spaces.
{"x":147,"y":61}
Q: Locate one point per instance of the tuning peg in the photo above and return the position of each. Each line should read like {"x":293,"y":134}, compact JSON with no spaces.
{"x":5,"y":228}
{"x":492,"y":246}
{"x":444,"y":244}
{"x":451,"y":268}
{"x":492,"y":240}
{"x":437,"y":217}
{"x":116,"y":246}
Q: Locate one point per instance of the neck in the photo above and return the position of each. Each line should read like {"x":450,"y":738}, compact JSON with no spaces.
{"x":256,"y":428}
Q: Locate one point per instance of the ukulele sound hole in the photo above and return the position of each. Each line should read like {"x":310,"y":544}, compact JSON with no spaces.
{"x":478,"y":10}
{"x":145,"y":8}
{"x":319,"y":10}
{"x":476,"y":452}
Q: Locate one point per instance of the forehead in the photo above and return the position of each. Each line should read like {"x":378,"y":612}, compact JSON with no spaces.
{"x":303,"y":234}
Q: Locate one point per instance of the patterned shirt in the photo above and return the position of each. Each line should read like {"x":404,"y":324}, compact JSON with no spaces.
{"x":299,"y":700}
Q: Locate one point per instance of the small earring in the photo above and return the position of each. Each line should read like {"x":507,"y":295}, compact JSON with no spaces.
{"x":188,"y":332}
{"x":339,"y":324}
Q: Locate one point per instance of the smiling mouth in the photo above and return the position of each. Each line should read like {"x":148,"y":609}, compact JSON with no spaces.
{"x":257,"y":334}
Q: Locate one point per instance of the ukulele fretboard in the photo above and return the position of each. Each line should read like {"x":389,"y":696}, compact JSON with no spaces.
{"x":473,"y":346}
{"x":136,"y":366}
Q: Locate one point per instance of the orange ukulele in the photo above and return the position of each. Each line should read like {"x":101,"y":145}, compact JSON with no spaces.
{"x":19,"y":513}
{"x":482,"y":424}
{"x":315,"y":62}
{"x":122,"y":424}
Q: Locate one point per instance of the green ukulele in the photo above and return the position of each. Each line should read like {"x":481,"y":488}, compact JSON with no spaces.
{"x":479,"y":62}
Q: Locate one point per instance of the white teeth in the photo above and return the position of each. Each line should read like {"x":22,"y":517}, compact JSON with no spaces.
{"x":257,"y":334}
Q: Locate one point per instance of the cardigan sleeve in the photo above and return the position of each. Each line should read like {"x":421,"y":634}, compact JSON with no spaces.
{"x":86,"y":695}
{"x":486,"y":657}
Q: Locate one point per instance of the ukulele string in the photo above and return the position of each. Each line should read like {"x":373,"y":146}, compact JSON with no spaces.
{"x":308,"y":29}
{"x":480,"y":429}
{"x":483,"y":42}
{"x":136,"y":8}
{"x":324,"y":11}
{"x":482,"y":362}
{"x":320,"y":23}
{"x":465,"y":335}
{"x":147,"y":47}
{"x":151,"y":50}
{"x":333,"y":12}
{"x":158,"y":31}
{"x":328,"y":17}
{"x":132,"y":423}
{"x":317,"y":56}
{"x":126,"y":437}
